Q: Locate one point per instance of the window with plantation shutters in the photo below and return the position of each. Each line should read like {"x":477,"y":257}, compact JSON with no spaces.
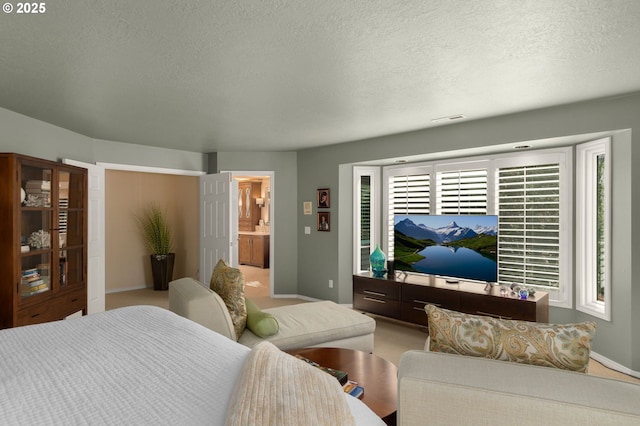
{"x":593,"y":242}
{"x":409,"y":194}
{"x":365,"y":221}
{"x":367,"y":233}
{"x":530,"y":192}
{"x":462,"y":192}
{"x":529,"y":225}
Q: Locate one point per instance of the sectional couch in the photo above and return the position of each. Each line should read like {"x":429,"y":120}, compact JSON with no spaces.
{"x":304,"y":325}
{"x":437,"y":388}
{"x":445,"y":389}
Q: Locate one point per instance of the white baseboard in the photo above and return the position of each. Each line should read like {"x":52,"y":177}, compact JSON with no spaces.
{"x":120,"y":290}
{"x":295,"y":296}
{"x":614,"y":365}
{"x":307,"y":298}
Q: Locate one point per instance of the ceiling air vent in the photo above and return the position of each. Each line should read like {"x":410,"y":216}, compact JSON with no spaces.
{"x":449,"y":118}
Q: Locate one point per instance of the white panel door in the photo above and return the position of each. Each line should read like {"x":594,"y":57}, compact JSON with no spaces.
{"x":218,"y":222}
{"x":96,"y":236}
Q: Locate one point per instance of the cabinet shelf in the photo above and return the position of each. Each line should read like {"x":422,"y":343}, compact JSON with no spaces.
{"x":36,"y":209}
{"x":74,"y":247}
{"x":35,"y":252}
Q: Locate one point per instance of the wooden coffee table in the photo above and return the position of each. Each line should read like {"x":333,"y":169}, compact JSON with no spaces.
{"x":377,"y":376}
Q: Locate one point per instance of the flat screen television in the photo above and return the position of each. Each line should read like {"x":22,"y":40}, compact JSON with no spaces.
{"x":451,"y":246}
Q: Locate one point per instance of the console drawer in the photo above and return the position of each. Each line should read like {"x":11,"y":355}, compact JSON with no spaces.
{"x":377,"y":288}
{"x":424,"y":295}
{"x":498,"y":307}
{"x":376,"y":305}
{"x":413,"y":313}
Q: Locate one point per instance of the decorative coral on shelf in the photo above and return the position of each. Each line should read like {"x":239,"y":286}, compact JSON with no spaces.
{"x":40,"y":239}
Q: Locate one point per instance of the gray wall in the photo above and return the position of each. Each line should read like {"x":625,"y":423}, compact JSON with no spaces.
{"x":25,"y":135}
{"x":285,"y":205}
{"x":323,"y":256}
{"x":305,"y":263}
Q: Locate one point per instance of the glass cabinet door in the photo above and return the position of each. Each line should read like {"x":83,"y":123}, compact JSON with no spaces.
{"x":71,"y":228}
{"x":36,"y":219}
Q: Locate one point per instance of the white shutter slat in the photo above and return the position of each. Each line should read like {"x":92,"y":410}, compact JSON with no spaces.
{"x":529,"y":225}
{"x":409,"y":194}
{"x":461,"y":192}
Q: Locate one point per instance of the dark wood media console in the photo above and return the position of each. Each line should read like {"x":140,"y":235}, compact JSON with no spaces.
{"x":403,"y":297}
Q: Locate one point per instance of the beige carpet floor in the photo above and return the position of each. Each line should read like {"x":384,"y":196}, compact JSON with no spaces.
{"x":392,"y":338}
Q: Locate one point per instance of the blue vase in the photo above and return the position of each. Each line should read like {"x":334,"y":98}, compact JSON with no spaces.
{"x":377,"y":262}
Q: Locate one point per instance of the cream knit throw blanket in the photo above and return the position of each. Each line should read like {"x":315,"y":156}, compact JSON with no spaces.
{"x":278,"y":389}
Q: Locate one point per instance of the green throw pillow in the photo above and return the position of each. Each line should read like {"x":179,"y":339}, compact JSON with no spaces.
{"x":262,"y":324}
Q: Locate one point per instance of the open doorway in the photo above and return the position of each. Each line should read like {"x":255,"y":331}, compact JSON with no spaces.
{"x":262,"y":275}
{"x":255,"y":232}
{"x":129,"y":186}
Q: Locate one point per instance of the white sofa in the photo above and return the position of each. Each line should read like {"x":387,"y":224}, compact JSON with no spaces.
{"x":325,"y":324}
{"x":443,"y":389}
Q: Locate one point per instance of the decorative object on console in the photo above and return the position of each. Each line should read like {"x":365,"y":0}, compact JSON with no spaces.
{"x":391,"y":269}
{"x":377,"y":261}
{"x":564,"y":346}
{"x":523,"y":292}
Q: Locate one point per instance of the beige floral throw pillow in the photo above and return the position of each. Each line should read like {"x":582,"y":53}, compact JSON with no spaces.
{"x":228,"y":282}
{"x":565,"y":346}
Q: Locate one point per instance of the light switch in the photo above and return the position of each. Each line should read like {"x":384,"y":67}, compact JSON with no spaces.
{"x":307,"y":230}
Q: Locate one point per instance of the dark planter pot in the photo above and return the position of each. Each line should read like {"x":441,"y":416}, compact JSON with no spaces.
{"x":162,"y":270}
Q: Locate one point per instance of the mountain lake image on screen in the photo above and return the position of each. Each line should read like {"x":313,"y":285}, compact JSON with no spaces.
{"x":450,"y":246}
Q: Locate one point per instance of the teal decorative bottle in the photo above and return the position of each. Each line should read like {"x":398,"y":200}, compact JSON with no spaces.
{"x":377,"y":262}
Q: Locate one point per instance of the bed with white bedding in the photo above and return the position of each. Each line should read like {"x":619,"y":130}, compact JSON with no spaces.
{"x":139,"y":365}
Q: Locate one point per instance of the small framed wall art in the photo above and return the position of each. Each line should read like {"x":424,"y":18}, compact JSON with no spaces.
{"x":323,"y":198}
{"x":324,"y":224}
{"x":307,"y":207}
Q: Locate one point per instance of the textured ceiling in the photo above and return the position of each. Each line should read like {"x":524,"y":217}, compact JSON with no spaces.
{"x":238,"y":75}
